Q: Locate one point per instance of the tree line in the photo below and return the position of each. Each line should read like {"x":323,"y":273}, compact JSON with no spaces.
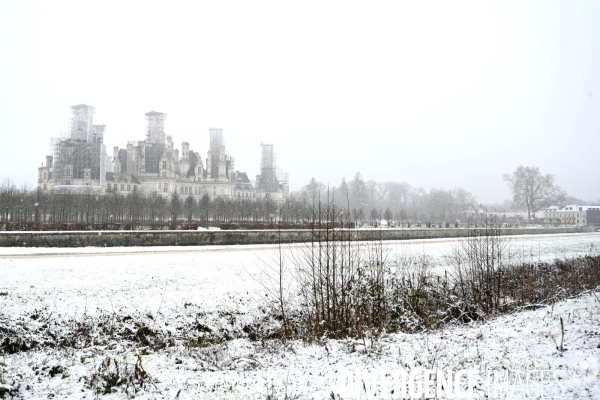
{"x":369,"y":200}
{"x":359,"y":200}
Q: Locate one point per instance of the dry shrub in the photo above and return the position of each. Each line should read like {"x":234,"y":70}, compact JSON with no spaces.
{"x":350,"y":288}
{"x":113,"y":376}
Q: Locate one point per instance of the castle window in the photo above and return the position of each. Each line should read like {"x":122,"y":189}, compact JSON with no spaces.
{"x":128,"y":188}
{"x":164,"y":165}
{"x":165,"y":189}
{"x":115,"y":187}
{"x":135,"y":188}
{"x":122,"y":186}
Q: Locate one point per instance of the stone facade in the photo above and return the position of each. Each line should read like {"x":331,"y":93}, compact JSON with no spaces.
{"x":154,"y":165}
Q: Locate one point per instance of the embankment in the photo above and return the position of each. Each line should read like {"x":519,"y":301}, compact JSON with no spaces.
{"x":233,"y":237}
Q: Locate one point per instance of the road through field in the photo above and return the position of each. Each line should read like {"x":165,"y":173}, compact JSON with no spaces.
{"x":554,"y":245}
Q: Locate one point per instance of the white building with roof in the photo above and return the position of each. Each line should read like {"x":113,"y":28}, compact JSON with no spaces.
{"x":572,"y":214}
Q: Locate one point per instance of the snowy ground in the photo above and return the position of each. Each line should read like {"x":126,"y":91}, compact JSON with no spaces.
{"x":47,"y":295}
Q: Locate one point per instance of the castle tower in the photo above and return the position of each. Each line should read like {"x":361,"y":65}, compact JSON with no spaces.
{"x":268,"y":170}
{"x":216,"y":142}
{"x":80,"y":124}
{"x":155,"y":132}
{"x":98,"y":132}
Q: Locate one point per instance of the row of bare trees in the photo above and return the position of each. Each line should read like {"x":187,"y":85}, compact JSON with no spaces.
{"x":27,"y":205}
{"x":358,"y":201}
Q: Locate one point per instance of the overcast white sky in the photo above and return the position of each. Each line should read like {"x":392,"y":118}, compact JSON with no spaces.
{"x":437,"y":94}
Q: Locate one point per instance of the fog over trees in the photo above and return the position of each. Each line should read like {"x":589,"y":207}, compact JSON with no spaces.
{"x":400,"y":201}
{"x":359,"y":199}
{"x":362,"y":201}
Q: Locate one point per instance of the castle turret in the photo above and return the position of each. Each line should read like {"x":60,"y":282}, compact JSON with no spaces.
{"x":116,"y":160}
{"x":184,"y":164}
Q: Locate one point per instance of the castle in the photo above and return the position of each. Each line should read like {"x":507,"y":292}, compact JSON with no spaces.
{"x":78,"y":163}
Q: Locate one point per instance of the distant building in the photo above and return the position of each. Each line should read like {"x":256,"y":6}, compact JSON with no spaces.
{"x":78,"y":164}
{"x":573,"y":215}
{"x":506,"y":214}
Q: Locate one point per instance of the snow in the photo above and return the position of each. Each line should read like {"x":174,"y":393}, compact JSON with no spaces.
{"x":51,"y":292}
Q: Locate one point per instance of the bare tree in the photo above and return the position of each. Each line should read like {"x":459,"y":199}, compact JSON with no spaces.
{"x":388,"y":214}
{"x":532,"y":189}
{"x":189,"y":206}
{"x":463,"y":201}
{"x":372,"y":195}
{"x":382,"y":193}
{"x":439,"y":204}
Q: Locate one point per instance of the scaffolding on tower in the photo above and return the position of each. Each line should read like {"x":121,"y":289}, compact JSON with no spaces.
{"x":268,"y":170}
{"x":155,"y":141}
{"x":216,"y":143}
{"x":155,"y":131}
{"x":79,"y":155}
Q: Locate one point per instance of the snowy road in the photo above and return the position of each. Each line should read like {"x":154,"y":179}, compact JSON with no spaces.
{"x":535,"y":245}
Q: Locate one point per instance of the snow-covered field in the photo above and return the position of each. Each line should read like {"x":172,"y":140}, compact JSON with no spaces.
{"x":70,"y":300}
